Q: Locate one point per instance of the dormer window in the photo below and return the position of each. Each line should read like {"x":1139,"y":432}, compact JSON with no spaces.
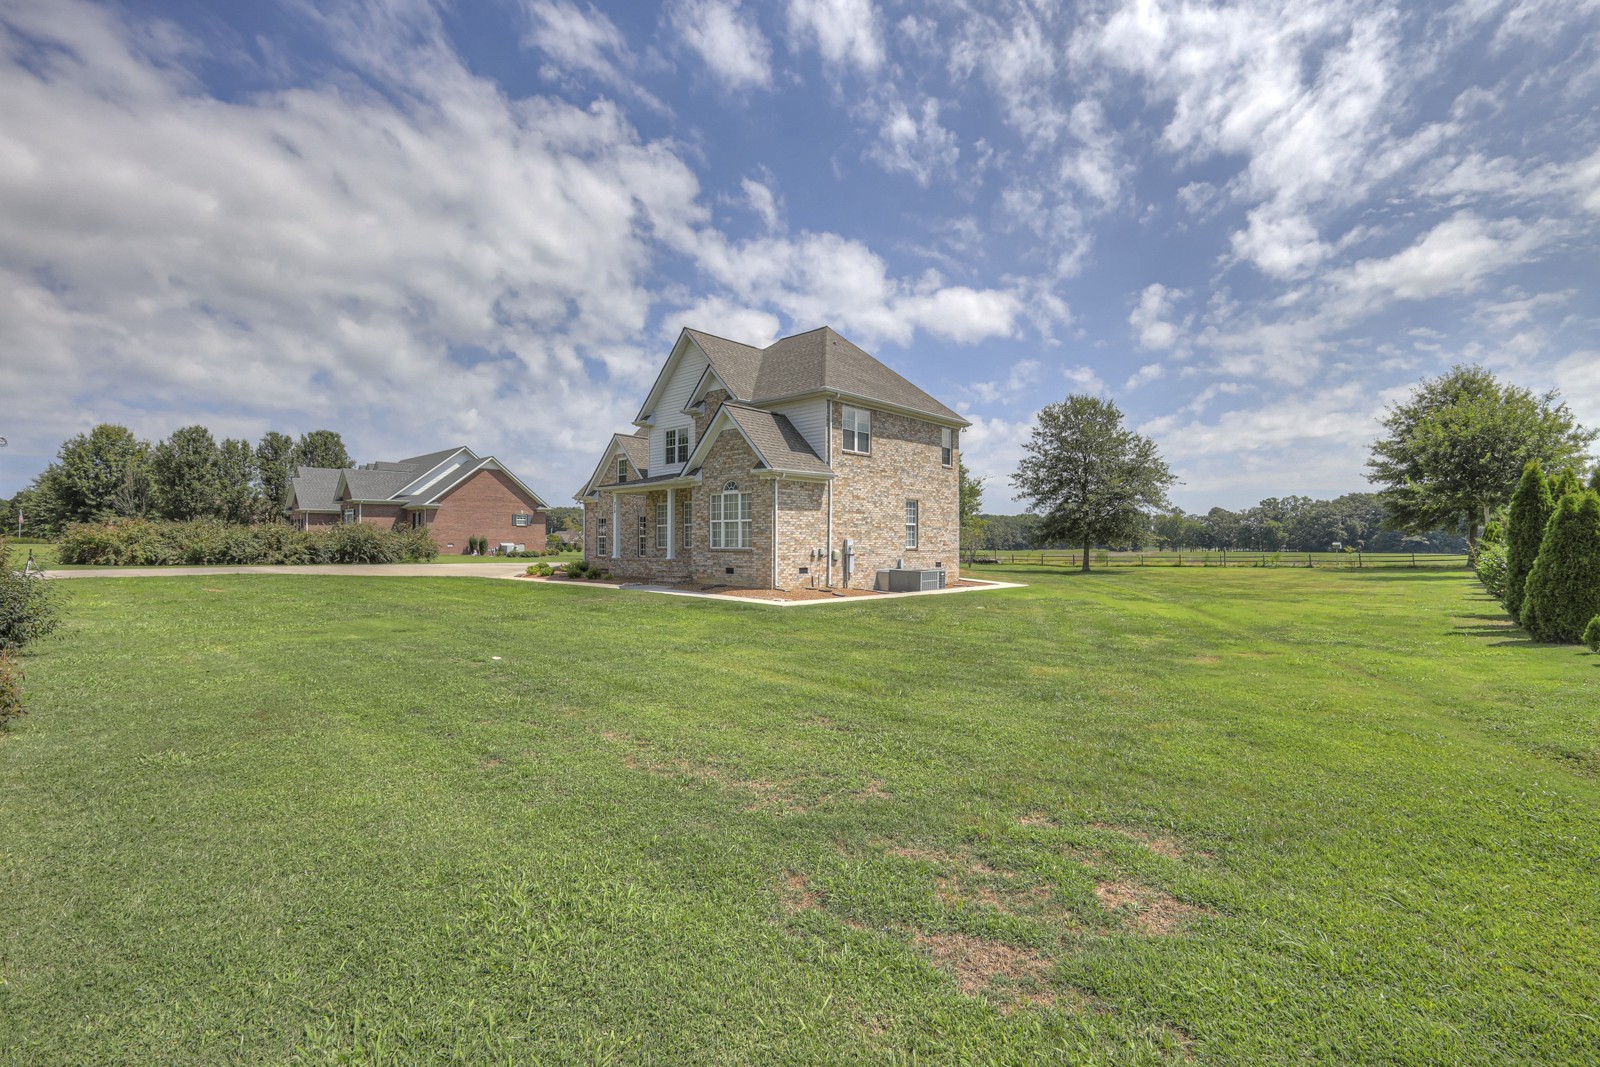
{"x":677,"y":446}
{"x":622,"y":469}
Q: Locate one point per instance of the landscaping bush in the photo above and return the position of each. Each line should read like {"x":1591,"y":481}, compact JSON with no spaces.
{"x":1493,"y":570}
{"x":1563,"y":590}
{"x":576,"y":568}
{"x":10,"y":689}
{"x":141,"y":543}
{"x":1530,"y":513}
{"x":1591,"y":634}
{"x":30,"y":604}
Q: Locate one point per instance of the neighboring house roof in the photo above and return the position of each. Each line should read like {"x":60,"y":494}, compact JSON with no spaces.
{"x":369,"y":485}
{"x":418,"y":481}
{"x":778,"y":445}
{"x":816,"y":361}
{"x":315,"y":489}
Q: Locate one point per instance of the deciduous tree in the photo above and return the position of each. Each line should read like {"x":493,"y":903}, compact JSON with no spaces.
{"x":187,"y":469}
{"x":275,"y":467}
{"x":1091,"y":479}
{"x":1457,"y":445}
{"x":322,"y":448}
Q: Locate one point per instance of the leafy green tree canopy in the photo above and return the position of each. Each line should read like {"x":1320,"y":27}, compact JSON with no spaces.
{"x":188,"y":474}
{"x":89,"y":474}
{"x":971,"y":502}
{"x":322,"y":448}
{"x":1091,"y":479}
{"x":237,"y":497}
{"x":1457,"y":445}
{"x":275,"y":467}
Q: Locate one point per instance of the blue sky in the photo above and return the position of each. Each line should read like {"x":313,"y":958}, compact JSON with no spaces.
{"x":1252,"y":225}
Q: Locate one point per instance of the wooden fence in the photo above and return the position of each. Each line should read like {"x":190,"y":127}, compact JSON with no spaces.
{"x":1218,"y":558}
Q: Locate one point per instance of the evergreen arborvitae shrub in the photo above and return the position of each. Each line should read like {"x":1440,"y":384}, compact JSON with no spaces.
{"x":1563,"y":589}
{"x":1531,"y":506}
{"x":1591,"y":634}
{"x":1594,"y":480}
{"x":1564,"y":481}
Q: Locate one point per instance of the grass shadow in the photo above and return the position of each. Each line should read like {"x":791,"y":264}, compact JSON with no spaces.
{"x":1409,"y":575}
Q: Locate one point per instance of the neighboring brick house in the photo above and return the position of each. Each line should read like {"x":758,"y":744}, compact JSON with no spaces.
{"x":456,"y":494}
{"x":805,"y":464}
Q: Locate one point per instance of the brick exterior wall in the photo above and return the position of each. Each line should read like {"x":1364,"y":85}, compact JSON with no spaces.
{"x":870,"y":493}
{"x":483,"y":506}
{"x":869,"y":496}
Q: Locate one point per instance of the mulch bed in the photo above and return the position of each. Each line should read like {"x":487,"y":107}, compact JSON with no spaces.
{"x":777,"y":594}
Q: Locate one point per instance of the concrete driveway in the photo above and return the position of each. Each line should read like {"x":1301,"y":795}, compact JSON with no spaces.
{"x":365,"y":570}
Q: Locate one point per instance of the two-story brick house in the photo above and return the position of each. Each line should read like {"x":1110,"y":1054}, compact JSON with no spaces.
{"x":804,"y":464}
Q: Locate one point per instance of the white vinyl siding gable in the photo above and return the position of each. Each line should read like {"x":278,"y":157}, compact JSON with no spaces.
{"x":810,"y":417}
{"x":668,"y":413}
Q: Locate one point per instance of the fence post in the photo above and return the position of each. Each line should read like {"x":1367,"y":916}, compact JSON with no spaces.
{"x":1309,"y":564}
{"x":1358,"y":559}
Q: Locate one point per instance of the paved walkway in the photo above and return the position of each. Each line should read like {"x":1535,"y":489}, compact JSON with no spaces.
{"x":366,"y":570}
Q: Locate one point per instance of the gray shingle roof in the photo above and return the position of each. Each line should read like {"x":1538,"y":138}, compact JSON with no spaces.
{"x":315,"y":489}
{"x":806,"y":362}
{"x":376,"y":485}
{"x":637,"y":449}
{"x":776,"y":438}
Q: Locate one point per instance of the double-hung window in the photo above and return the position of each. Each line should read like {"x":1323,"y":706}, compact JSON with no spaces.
{"x":349,"y":515}
{"x":686,"y":510}
{"x":622,"y":469}
{"x":661,"y":526}
{"x":677,"y":446}
{"x":522,"y":518}
{"x":857,"y":423}
{"x":730,"y":520}
{"x":912,"y":526}
{"x":602,"y":543}
{"x":947,"y":445}
{"x":644,"y":533}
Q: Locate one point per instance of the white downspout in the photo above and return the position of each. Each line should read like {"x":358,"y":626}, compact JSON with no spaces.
{"x":672,"y":524}
{"x":775,"y":482}
{"x":828,"y":459}
{"x":616,"y":526}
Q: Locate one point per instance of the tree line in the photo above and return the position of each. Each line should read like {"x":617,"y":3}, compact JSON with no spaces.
{"x":110,"y":473}
{"x":1277,"y":524}
{"x":1454,"y":451}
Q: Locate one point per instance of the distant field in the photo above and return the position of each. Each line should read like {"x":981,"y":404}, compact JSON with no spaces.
{"x":1146,"y":816}
{"x":1053,"y":557}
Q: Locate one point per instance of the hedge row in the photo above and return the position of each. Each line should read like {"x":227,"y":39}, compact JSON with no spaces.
{"x":144,"y":543}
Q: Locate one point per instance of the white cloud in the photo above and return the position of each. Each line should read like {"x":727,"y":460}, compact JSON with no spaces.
{"x":764,"y":202}
{"x":1149,"y":318}
{"x":434,"y":255}
{"x":1084,"y":378}
{"x":1146,"y":374}
{"x":992,"y":448}
{"x":727,"y":41}
{"x":1024,"y":374}
{"x":913,"y":142}
{"x":1453,"y":257}
{"x":845,"y":32}
{"x":724,"y":318}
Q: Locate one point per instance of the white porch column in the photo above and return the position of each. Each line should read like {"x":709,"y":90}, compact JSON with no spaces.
{"x":672,"y":524}
{"x":616,"y":526}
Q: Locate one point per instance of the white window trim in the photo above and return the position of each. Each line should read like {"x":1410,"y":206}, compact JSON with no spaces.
{"x":741,"y":525}
{"x":663,"y":524}
{"x":601,"y":545}
{"x":677,"y":445}
{"x":913,"y":523}
{"x":856,"y":431}
{"x":622,"y":469}
{"x":947,"y":446}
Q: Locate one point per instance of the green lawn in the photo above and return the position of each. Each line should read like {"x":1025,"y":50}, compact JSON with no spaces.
{"x":1152,"y":816}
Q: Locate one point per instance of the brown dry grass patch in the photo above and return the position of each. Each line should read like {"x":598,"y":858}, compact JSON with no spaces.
{"x":797,"y":895}
{"x":1147,"y":910}
{"x":982,"y":967}
{"x":1161,"y":846}
{"x":1038,"y":818}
